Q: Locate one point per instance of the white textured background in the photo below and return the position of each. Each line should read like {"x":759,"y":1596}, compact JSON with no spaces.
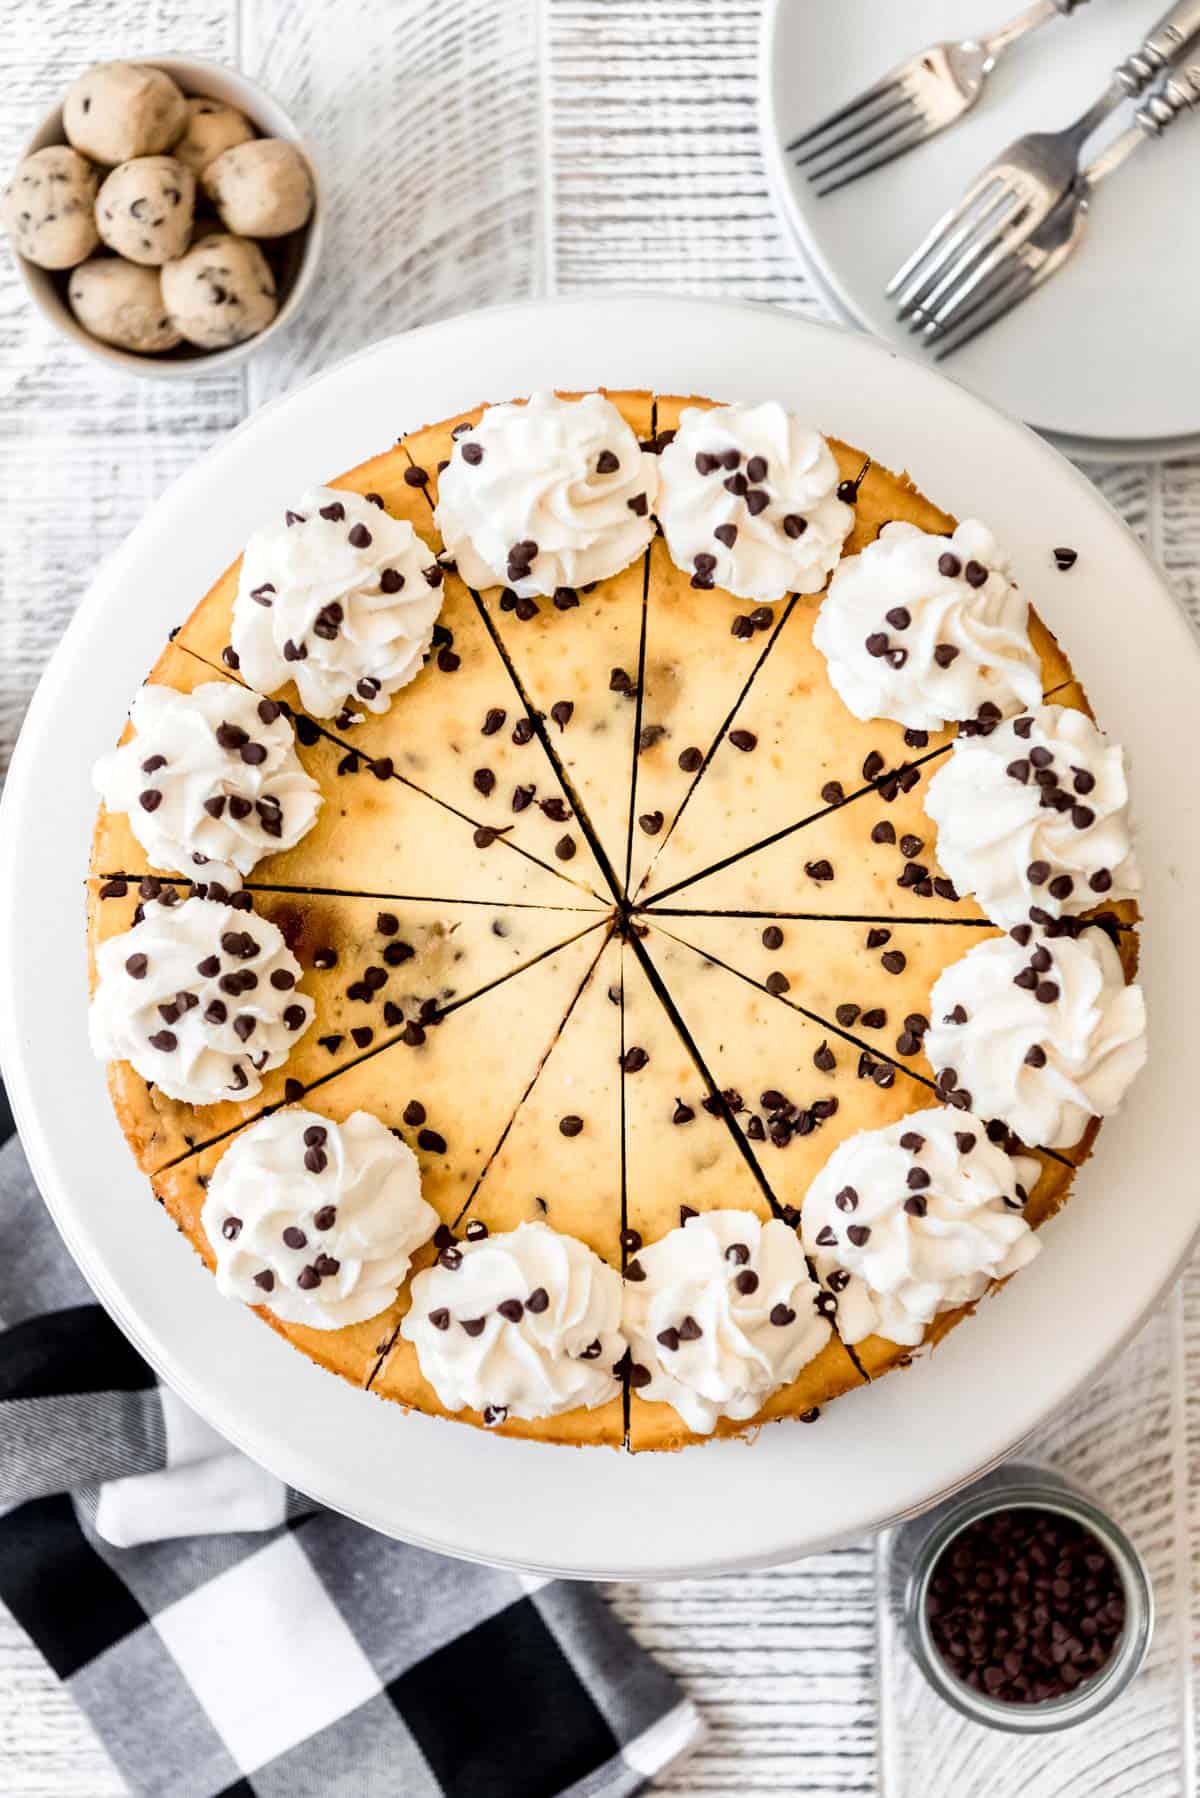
{"x":478,"y":150}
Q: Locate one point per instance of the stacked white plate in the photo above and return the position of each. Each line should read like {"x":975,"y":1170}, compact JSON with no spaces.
{"x":1105,"y":360}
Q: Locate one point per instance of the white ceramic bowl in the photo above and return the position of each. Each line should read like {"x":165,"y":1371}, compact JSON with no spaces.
{"x":294,"y":268}
{"x":874,"y":1455}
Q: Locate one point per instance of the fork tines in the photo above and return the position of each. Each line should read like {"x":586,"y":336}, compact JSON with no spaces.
{"x":879,"y":125}
{"x":962,"y":250}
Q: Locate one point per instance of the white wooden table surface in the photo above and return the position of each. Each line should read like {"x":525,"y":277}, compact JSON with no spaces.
{"x":476,"y":150}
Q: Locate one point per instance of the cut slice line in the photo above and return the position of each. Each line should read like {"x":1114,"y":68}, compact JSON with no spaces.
{"x":613,"y":864}
{"x":894,"y":788}
{"x":308,"y":731}
{"x":169,"y":1120}
{"x":503,"y":1195}
{"x":532,"y":712}
{"x":442,"y":708}
{"x":449,"y":1141}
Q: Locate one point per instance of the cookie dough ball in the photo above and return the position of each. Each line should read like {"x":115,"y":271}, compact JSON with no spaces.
{"x":49,"y":208}
{"x":261,"y":189}
{"x":220,"y":293}
{"x":145,"y":208}
{"x":122,"y":110}
{"x":211,"y":128}
{"x":121,"y":303}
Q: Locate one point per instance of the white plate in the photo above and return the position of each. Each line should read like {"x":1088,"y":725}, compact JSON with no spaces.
{"x":873,"y":1455}
{"x":1106,"y":359}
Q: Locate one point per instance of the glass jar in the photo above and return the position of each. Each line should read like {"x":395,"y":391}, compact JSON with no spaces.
{"x":919,"y":1545}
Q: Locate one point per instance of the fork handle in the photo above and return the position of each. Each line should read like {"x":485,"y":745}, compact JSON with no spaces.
{"x":1176,"y":95}
{"x":1162,"y":49}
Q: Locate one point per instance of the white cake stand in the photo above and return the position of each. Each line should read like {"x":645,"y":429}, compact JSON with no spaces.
{"x":874,"y":1455}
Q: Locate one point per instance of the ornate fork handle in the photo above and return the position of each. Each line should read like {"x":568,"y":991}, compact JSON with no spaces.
{"x":1179,"y":92}
{"x":1161,"y":49}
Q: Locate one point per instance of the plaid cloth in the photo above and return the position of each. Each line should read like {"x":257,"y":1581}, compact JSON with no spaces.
{"x":224,"y":1635}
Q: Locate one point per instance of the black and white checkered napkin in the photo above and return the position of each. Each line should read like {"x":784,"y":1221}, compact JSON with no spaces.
{"x":226,"y":1636}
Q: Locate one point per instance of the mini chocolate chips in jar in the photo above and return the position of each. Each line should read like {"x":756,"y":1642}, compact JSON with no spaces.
{"x":1025,"y":1606}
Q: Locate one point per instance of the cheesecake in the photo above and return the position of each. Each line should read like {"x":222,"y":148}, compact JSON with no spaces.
{"x":613,"y":922}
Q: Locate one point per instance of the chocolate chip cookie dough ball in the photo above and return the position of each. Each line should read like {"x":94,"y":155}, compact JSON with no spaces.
{"x":145,"y":208}
{"x":49,"y":208}
{"x":121,"y":303}
{"x":220,"y":293}
{"x":260,"y":189}
{"x":212,"y":127}
{"x":122,"y":110}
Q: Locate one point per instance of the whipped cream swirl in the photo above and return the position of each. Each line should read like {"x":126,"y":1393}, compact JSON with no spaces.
{"x":525,"y":1324}
{"x":339,"y":597}
{"x":1042,"y":1034}
{"x":925,"y":629}
{"x":748,"y":502}
{"x":720,"y":1313}
{"x":547,"y":495}
{"x":1033,"y":817}
{"x":200,"y":998}
{"x":317,"y":1221}
{"x":209,"y":777}
{"x":915,"y":1218}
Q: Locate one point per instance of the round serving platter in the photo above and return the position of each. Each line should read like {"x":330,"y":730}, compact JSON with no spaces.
{"x":872,"y":1456}
{"x":1105,"y":361}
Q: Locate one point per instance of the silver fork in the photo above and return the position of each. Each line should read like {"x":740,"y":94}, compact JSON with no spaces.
{"x":1056,"y":241}
{"x":1013,"y":197}
{"x":912,"y":102}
